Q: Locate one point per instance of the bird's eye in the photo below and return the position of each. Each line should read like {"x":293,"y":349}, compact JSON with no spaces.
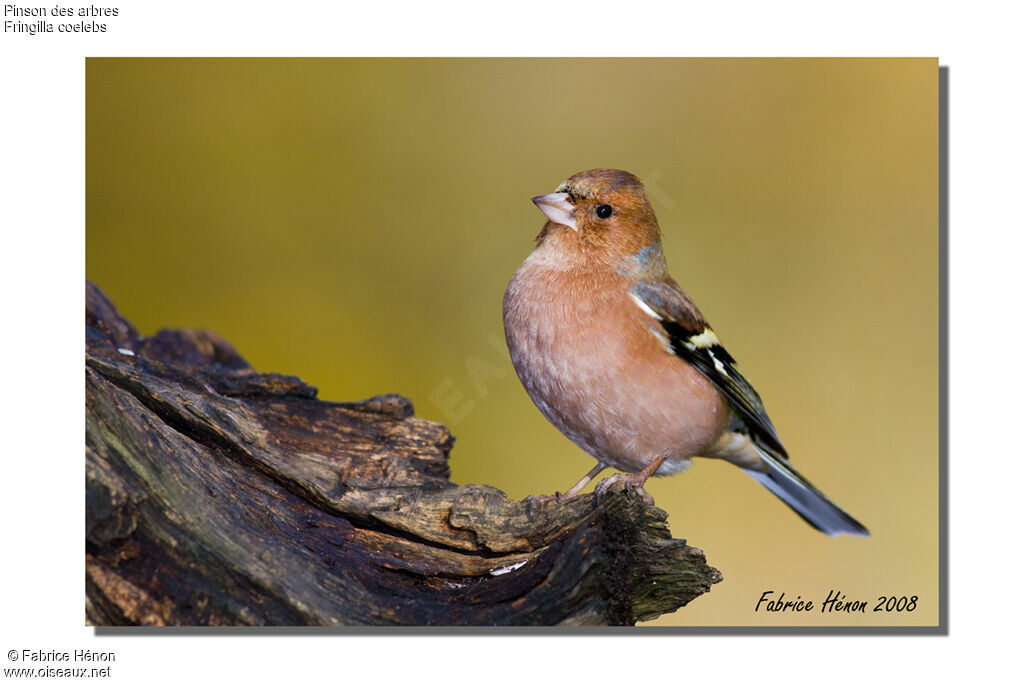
{"x":603,"y":210}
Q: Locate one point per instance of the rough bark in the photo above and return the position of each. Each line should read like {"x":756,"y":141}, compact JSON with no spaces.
{"x":219,"y":495}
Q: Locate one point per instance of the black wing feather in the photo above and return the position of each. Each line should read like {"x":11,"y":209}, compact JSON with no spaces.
{"x":682,"y":322}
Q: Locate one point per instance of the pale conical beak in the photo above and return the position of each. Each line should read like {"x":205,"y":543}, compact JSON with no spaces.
{"x":557,"y":207}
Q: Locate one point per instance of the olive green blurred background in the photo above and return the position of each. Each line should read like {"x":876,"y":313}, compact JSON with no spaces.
{"x":355,"y":222}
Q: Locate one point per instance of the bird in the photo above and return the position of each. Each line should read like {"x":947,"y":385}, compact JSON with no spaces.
{"x":619,"y":358}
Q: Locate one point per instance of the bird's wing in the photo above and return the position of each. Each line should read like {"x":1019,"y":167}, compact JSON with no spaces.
{"x":693,"y":340}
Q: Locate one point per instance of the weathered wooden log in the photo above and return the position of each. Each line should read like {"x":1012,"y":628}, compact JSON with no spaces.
{"x":219,"y":495}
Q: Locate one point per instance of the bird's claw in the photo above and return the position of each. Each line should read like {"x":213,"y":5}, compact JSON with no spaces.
{"x":633,"y":482}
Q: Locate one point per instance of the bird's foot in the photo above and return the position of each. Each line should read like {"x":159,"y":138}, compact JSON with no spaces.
{"x":634,"y":482}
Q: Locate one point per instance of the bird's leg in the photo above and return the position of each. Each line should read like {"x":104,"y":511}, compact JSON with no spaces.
{"x":635,"y":480}
{"x":578,"y":486}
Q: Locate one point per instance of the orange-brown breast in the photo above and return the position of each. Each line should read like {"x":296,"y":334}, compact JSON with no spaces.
{"x":598,"y":368}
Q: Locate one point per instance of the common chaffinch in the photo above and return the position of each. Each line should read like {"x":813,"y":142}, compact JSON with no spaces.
{"x":617,"y":356}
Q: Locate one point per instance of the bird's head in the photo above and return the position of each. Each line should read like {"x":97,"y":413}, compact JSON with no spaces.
{"x":602,"y":212}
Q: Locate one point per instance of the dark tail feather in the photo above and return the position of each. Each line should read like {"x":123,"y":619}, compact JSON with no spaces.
{"x":804,"y":499}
